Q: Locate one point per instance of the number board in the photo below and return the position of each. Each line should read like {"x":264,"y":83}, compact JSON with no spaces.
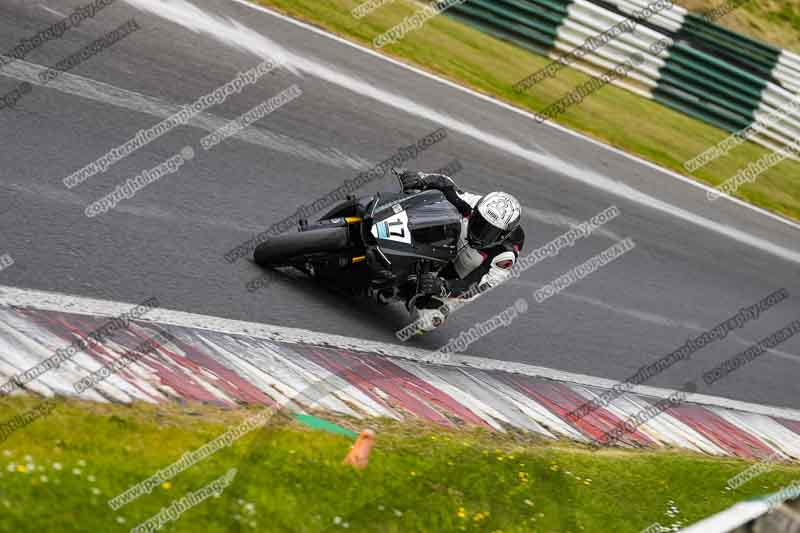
{"x":394,"y":228}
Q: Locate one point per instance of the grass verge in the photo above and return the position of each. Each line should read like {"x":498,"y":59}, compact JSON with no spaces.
{"x":57,"y":474}
{"x":772,"y":21}
{"x":617,"y":117}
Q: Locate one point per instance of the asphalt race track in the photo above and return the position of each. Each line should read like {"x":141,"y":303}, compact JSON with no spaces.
{"x":696,"y":263}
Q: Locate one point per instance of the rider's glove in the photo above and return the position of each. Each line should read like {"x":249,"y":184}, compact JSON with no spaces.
{"x":411,"y":180}
{"x":430,"y":283}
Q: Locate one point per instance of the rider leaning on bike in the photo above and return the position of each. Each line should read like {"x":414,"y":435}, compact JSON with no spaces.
{"x":491,"y":239}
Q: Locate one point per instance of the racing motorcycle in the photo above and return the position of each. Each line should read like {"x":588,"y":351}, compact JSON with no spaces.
{"x":377,"y":245}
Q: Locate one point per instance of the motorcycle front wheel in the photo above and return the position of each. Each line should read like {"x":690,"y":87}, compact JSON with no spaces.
{"x":282,"y":249}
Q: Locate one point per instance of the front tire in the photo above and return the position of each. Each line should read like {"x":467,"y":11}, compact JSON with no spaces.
{"x":282,"y":249}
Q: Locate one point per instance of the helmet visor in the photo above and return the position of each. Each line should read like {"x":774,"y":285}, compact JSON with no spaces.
{"x":482,"y":233}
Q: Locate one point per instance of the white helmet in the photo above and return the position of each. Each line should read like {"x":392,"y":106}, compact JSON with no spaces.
{"x":493,"y":219}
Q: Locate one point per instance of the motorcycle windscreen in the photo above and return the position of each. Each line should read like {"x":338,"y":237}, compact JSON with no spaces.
{"x":423,"y":223}
{"x":436,"y":223}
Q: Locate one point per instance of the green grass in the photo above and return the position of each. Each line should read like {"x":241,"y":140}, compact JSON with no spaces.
{"x":453,"y":50}
{"x":776,"y":22}
{"x":290,"y":478}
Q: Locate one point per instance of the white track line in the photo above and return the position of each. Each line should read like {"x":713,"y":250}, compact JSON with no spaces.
{"x":108,"y":94}
{"x":52,"y":11}
{"x":518,"y":111}
{"x":652,"y":318}
{"x":557,"y":219}
{"x":232,"y":33}
{"x":51,"y":301}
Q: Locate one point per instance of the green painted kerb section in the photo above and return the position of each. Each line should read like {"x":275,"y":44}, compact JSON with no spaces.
{"x":324,"y":425}
{"x":532,"y":24}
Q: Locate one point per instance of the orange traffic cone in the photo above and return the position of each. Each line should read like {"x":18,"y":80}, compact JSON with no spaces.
{"x":358,"y":456}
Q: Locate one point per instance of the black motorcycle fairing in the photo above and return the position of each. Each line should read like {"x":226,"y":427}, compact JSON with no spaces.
{"x":390,"y":239}
{"x":423,"y":225}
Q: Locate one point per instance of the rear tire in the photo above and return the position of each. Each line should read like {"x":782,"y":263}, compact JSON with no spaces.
{"x":281,"y":249}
